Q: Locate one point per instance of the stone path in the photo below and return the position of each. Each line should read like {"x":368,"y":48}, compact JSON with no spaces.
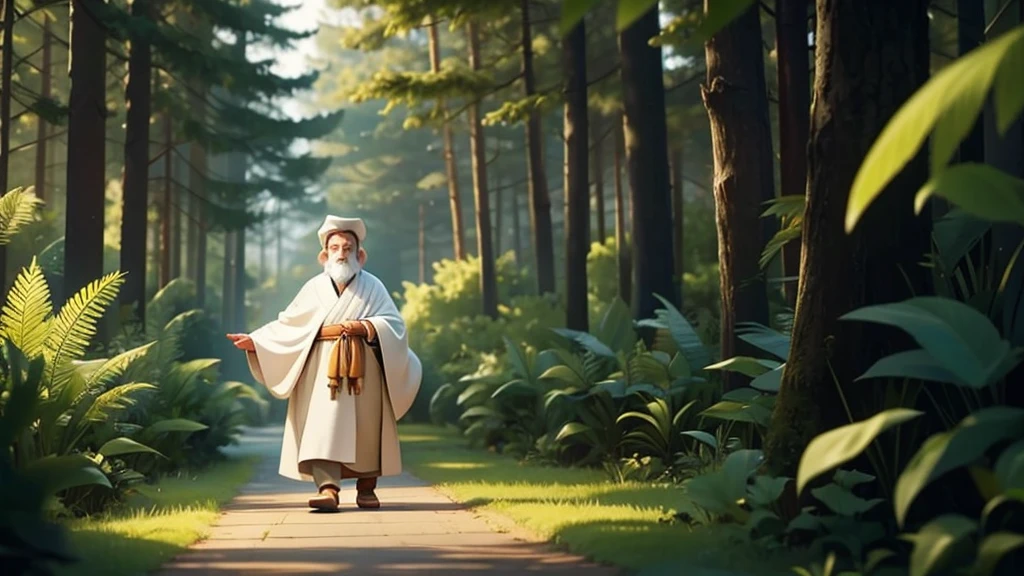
{"x":267,"y":529}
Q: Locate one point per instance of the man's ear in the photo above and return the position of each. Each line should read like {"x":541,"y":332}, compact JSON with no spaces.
{"x":362,"y":256}
{"x":322,"y":257}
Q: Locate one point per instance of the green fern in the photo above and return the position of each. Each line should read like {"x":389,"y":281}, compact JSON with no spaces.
{"x":117,"y":366}
{"x":114,"y":400}
{"x":17,"y":208}
{"x":74,"y":326}
{"x":26,"y":313}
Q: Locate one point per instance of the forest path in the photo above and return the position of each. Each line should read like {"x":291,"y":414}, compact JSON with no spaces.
{"x":268,"y":529}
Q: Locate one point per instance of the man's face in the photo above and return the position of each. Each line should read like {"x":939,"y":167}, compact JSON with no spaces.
{"x":342,"y":262}
{"x":340,"y":247}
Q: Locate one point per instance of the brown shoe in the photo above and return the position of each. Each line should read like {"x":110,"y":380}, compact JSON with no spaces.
{"x":365,"y":496}
{"x":327,"y":500}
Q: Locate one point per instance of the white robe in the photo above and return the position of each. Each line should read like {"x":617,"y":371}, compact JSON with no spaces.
{"x":292,"y":364}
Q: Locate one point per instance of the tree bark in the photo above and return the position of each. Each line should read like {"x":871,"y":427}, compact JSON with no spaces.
{"x":478,"y":146}
{"x":970,"y":35}
{"x":794,"y":118}
{"x":540,"y":201}
{"x":279,"y":253}
{"x":646,"y":145}
{"x":598,"y":166}
{"x":166,"y":217}
{"x":499,"y":203}
{"x":83,"y":246}
{"x":741,"y":139}
{"x":677,"y":217}
{"x":621,"y":244}
{"x":135,"y":180}
{"x":451,"y":168}
{"x":7,"y":65}
{"x":228,"y":289}
{"x":423,"y":247}
{"x":240,"y":281}
{"x":517,"y":231}
{"x":871,"y":56}
{"x":45,"y":91}
{"x":577,"y":178}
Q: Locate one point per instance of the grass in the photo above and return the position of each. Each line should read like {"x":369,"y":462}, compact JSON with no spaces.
{"x":625,"y":524}
{"x":156,"y":523}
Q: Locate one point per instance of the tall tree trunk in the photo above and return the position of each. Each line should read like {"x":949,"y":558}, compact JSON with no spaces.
{"x":540,"y":201}
{"x":239,"y":281}
{"x":5,"y":116}
{"x":621,"y":244}
{"x":499,"y":201}
{"x":647,"y":164}
{"x":677,"y":216}
{"x":227,"y":311}
{"x":166,"y":216}
{"x":794,"y":117}
{"x":598,"y":167}
{"x":422,"y":247}
{"x":45,"y":91}
{"x":517,"y":230}
{"x":577,"y":177}
{"x":264,"y":238}
{"x":83,"y":247}
{"x":279,"y":253}
{"x":451,"y":168}
{"x":871,"y":56}
{"x":970,"y":35}
{"x":478,"y":145}
{"x":741,"y":139}
{"x":135,"y":180}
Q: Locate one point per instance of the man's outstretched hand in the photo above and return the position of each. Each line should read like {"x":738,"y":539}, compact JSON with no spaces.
{"x":242,"y":342}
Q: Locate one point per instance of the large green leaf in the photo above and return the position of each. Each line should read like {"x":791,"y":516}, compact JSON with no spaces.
{"x":1009,"y":468}
{"x":960,"y":338}
{"x":938,"y":542}
{"x":572,"y":429}
{"x":770,"y":381}
{"x":739,"y":412}
{"x":746,"y":365}
{"x":173,"y":425}
{"x":684,"y":335}
{"x":993,"y":547}
{"x":27,"y":310}
{"x":22,"y":394}
{"x":121,"y":446}
{"x":57,"y":473}
{"x":955,"y":234}
{"x":764,"y":338}
{"x":587,"y":341}
{"x":737,"y":470}
{"x":842,"y":501}
{"x":914,"y":364}
{"x":1001,"y":198}
{"x":840,"y":445}
{"x":616,"y":327}
{"x":958,"y":447}
{"x":948,"y":104}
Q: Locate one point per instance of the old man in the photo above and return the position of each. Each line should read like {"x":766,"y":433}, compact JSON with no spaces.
{"x":340,"y":354}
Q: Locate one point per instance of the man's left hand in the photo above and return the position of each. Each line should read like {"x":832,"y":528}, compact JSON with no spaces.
{"x":353,"y":328}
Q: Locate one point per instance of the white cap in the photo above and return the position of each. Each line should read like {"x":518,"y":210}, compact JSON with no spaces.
{"x":338,"y":224}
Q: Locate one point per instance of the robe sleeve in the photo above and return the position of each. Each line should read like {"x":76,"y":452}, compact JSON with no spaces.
{"x":402,"y":368}
{"x":283,"y":345}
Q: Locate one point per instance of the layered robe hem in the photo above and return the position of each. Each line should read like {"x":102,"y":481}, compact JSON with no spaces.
{"x":359,"y":432}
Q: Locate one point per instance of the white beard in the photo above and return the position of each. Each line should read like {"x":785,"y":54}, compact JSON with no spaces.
{"x":342,"y":272}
